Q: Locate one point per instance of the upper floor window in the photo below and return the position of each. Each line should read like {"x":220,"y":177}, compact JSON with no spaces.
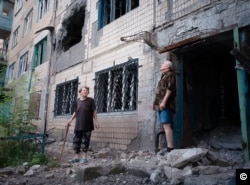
{"x":109,"y":10}
{"x":43,"y":8}
{"x":40,"y":52}
{"x":15,"y":37}
{"x":27,"y":23}
{"x":23,"y":64}
{"x":116,"y":88}
{"x":10,"y":74}
{"x":66,"y":94}
{"x":18,"y":5}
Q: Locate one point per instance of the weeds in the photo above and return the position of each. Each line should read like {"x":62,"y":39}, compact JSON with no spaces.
{"x":14,"y":153}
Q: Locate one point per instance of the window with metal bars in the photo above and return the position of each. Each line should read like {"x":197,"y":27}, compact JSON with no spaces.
{"x":66,"y":94}
{"x":116,"y":88}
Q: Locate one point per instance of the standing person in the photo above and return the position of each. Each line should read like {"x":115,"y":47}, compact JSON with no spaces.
{"x":164,"y":102}
{"x":85,"y":113}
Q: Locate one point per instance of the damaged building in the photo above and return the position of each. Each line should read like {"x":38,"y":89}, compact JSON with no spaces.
{"x":116,"y":48}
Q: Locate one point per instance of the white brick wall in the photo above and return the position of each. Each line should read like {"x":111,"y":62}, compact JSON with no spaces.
{"x":117,"y":130}
{"x":101,"y":49}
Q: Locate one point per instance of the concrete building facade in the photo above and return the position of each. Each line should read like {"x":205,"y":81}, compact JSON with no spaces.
{"x":116,"y":48}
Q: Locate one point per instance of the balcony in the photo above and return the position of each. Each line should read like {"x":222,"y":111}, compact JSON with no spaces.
{"x":6,"y":14}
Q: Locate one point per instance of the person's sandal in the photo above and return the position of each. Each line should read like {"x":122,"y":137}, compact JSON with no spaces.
{"x":74,"y":160}
{"x":84,"y":161}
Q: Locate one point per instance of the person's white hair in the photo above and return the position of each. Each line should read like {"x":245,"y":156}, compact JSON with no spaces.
{"x":166,"y":65}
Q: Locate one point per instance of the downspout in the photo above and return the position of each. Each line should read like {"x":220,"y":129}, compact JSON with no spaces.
{"x":31,"y":71}
{"x":243,"y":92}
{"x":154,"y":57}
{"x":51,"y":29}
{"x":52,"y":44}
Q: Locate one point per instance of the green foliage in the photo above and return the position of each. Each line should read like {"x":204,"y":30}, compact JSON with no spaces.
{"x":38,"y":158}
{"x":16,"y":109}
{"x":13,"y":153}
{"x":52,"y":163}
{"x":16,"y":114}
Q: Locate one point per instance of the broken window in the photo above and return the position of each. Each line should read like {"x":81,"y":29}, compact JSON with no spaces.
{"x":72,"y":27}
{"x":66,"y":94}
{"x":109,"y":10}
{"x":43,"y":8}
{"x":23,"y":64}
{"x":40,"y":52}
{"x":116,"y":88}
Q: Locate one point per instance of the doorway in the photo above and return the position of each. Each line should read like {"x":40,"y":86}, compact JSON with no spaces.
{"x":210,"y":83}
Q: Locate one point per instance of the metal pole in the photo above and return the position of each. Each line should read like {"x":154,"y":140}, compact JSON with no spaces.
{"x":243,"y":99}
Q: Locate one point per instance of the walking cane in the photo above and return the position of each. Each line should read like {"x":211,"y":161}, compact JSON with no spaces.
{"x":65,"y":137}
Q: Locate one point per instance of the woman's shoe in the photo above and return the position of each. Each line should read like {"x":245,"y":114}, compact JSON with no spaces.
{"x":74,"y":160}
{"x":83,"y":161}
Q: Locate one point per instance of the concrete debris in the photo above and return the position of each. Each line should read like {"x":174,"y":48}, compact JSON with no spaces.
{"x":203,"y":164}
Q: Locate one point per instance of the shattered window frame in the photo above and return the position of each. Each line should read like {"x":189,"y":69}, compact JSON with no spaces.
{"x":116,"y":88}
{"x":40,"y":51}
{"x":110,"y":10}
{"x":65,"y":96}
{"x":23,"y":64}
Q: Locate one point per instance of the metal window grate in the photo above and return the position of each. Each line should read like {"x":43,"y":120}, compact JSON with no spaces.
{"x":66,"y":94}
{"x":116,"y":88}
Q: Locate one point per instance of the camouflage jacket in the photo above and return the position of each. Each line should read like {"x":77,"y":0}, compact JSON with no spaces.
{"x":167,"y":81}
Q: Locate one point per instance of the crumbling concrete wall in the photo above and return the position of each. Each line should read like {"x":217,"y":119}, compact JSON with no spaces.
{"x":70,"y":36}
{"x":209,"y":17}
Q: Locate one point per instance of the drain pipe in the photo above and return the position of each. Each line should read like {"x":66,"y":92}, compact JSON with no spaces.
{"x":244,"y":102}
{"x":51,"y":30}
{"x":156,"y":125}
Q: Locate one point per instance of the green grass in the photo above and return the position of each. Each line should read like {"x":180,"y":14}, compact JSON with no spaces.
{"x":14,"y":153}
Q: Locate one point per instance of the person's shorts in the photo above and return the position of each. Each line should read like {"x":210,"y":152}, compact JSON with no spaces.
{"x":166,"y":116}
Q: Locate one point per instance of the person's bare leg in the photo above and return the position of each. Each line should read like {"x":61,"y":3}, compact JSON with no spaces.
{"x":84,"y":155}
{"x":169,"y":135}
{"x":78,"y":156}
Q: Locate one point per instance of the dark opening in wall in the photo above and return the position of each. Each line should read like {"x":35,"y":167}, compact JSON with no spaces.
{"x":72,"y":27}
